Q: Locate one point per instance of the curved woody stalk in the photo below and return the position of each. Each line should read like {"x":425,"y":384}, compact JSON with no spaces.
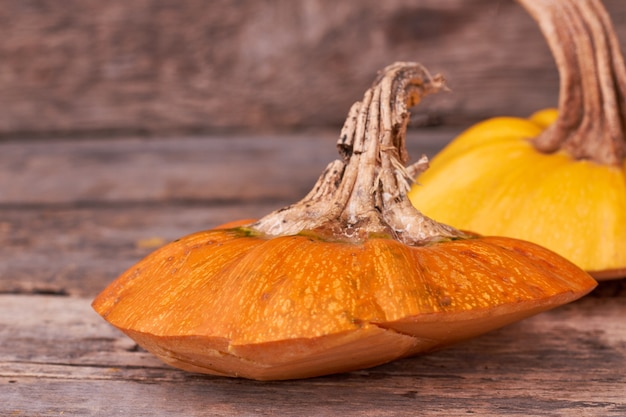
{"x":592,"y":107}
{"x":365,"y":194}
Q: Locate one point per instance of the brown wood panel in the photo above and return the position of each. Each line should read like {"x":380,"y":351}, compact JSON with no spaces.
{"x":75,"y":213}
{"x":63,"y":359}
{"x":79,"y":251}
{"x":186,"y":169}
{"x":154,"y":65}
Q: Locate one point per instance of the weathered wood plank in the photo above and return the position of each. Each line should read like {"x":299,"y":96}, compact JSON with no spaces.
{"x":78,"y":251}
{"x":188,"y":64}
{"x":62,"y":358}
{"x":214,"y":169}
{"x":75,"y":214}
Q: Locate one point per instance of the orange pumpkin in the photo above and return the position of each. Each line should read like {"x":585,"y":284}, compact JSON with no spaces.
{"x":350,"y":277}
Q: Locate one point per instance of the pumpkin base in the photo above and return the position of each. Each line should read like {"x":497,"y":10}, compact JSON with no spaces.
{"x":365,"y":347}
{"x":370,"y":345}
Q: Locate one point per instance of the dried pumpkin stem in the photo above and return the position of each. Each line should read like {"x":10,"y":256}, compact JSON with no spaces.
{"x":365,"y":194}
{"x":592,"y":110}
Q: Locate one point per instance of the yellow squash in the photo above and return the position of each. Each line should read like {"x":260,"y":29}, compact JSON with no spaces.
{"x":557,"y":178}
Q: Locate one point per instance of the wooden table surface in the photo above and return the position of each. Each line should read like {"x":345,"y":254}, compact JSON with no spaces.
{"x":76,"y":213}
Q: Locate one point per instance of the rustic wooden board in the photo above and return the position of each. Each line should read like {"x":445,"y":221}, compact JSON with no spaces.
{"x":213,"y":169}
{"x":77,"y":251}
{"x":63,"y":359}
{"x":75,"y":213}
{"x":154,"y":65}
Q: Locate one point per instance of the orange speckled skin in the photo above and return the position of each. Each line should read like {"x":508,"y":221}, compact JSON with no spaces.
{"x":228,"y":302}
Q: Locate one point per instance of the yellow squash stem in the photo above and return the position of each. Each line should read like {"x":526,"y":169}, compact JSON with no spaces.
{"x":558,"y":178}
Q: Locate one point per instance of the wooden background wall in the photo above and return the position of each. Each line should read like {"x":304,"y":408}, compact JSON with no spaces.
{"x":121,"y":66}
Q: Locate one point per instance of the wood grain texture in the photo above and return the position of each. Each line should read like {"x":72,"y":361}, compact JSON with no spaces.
{"x":79,"y":251}
{"x":565,"y":362}
{"x":170,"y":168}
{"x":154,"y":65}
{"x":75,"y":213}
